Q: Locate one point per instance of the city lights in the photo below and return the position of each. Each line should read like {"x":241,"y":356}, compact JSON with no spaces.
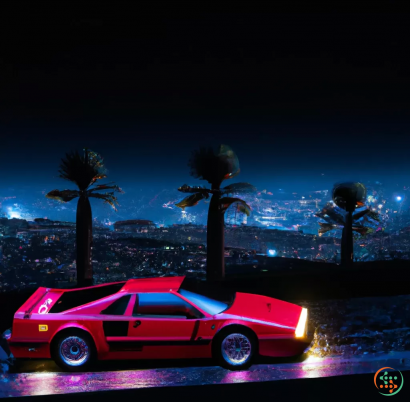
{"x":277,"y":227}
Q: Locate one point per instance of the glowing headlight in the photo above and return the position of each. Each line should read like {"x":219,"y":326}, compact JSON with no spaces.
{"x":300,"y":329}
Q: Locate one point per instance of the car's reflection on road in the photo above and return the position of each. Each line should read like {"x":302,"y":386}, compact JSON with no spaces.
{"x":40,"y":365}
{"x":42,"y":377}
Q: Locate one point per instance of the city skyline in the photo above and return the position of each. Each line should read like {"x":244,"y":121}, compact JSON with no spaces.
{"x":278,"y":209}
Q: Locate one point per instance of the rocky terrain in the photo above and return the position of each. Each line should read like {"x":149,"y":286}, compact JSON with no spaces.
{"x":359,"y":326}
{"x":6,"y":358}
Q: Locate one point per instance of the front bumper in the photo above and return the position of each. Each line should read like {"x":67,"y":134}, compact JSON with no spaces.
{"x":285,"y":347}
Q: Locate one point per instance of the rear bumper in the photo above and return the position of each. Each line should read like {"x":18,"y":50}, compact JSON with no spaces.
{"x":284,"y":347}
{"x":26,"y":350}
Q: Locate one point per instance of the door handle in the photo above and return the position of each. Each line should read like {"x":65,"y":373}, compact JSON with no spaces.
{"x":137,"y":324}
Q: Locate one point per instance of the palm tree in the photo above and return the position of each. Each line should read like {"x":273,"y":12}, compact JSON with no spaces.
{"x":342,"y":214}
{"x":215,"y":167}
{"x":84,"y":171}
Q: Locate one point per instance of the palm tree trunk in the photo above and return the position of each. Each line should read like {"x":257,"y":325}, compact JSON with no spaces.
{"x":83,"y":242}
{"x":347,"y":241}
{"x":215,"y":263}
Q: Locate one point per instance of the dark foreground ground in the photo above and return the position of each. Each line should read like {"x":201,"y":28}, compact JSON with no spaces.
{"x":373,"y":330}
{"x":293,"y":279}
{"x":354,"y":387}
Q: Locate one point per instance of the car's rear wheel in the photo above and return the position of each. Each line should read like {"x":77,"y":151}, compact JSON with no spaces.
{"x":73,"y":350}
{"x":235,"y":348}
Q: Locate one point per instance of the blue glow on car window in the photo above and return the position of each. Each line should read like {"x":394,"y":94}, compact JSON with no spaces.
{"x":159,"y":299}
{"x":204,"y":303}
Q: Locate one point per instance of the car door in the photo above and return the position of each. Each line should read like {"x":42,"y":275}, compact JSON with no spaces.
{"x":116,"y":321}
{"x":164,"y":326}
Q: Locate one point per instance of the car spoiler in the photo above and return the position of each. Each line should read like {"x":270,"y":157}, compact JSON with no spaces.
{"x":45,"y":298}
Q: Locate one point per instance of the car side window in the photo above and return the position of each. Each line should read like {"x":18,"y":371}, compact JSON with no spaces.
{"x":117,"y":307}
{"x":163,"y":305}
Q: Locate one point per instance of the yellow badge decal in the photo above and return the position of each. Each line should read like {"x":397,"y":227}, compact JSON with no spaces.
{"x":43,"y":328}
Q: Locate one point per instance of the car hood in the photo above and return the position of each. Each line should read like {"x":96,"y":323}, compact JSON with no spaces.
{"x":263,"y":308}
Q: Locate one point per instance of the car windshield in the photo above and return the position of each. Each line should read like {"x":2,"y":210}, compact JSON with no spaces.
{"x":204,"y":303}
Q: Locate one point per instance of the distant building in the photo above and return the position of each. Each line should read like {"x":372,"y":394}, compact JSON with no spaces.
{"x":72,"y":275}
{"x":134,"y":226}
{"x":10,"y":227}
{"x":40,"y":225}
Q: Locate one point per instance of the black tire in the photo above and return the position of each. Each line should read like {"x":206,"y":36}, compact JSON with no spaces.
{"x":244,"y":338}
{"x":73,"y":350}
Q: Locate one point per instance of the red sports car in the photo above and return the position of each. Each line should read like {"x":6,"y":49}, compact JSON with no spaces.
{"x":154,"y":318}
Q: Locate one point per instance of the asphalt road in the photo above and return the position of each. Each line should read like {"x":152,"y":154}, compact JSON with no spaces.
{"x":41,"y":378}
{"x":352,"y":388}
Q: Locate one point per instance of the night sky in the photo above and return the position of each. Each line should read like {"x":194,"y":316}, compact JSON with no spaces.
{"x":305,"y":99}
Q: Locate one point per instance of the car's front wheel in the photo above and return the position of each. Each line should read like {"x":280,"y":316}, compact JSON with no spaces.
{"x":235,"y":348}
{"x":73,"y":350}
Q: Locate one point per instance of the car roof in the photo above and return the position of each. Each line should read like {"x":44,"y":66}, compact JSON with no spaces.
{"x":162,"y":284}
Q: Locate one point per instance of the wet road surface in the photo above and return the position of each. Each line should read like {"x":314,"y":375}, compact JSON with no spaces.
{"x":42,"y":377}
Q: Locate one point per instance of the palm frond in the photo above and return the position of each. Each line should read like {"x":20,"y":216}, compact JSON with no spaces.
{"x":349,"y":195}
{"x":239,"y":188}
{"x":226,"y":202}
{"x":63,"y":195}
{"x":245,"y":209}
{"x":232,"y":175}
{"x":365,"y":220}
{"x":196,"y":189}
{"x":190,"y":201}
{"x":75,"y":168}
{"x":108,"y":186}
{"x":95,"y":159}
{"x":214,"y":166}
{"x":327,"y":227}
{"x":332,"y":214}
{"x":109,"y":198}
{"x":374,"y":215}
{"x":362,"y":230}
{"x":360,"y":214}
